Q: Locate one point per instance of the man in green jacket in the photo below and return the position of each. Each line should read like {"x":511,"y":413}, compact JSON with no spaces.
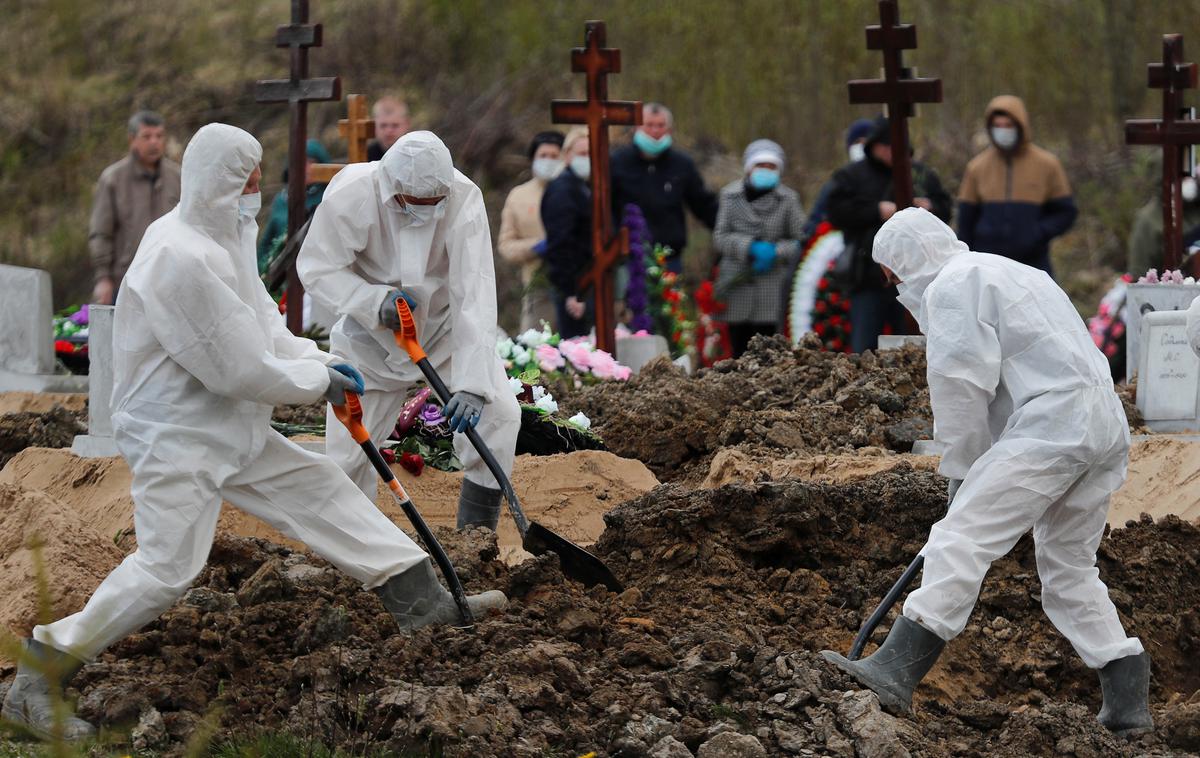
{"x":269,"y":244}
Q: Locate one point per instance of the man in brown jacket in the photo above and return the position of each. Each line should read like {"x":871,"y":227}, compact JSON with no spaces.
{"x":131,"y":194}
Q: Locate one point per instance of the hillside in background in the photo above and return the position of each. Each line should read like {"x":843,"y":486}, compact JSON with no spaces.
{"x":481,"y":74}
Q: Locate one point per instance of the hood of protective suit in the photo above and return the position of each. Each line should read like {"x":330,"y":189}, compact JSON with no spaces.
{"x":418,"y":165}
{"x":216,"y":165}
{"x":1013,"y":106}
{"x":916,"y":245}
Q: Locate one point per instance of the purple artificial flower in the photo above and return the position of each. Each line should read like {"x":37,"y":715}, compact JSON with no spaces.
{"x":636,"y":297}
{"x":431,"y":415}
{"x":80,"y":317}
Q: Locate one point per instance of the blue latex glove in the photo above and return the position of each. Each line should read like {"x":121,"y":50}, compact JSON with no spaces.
{"x":348,"y":371}
{"x":463,"y":411}
{"x":762,"y":256}
{"x":343,"y":378}
{"x":387,"y":312}
{"x":539,"y":249}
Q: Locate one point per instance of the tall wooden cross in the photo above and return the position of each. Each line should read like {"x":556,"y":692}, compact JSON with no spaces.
{"x":898,"y":89}
{"x":357,"y":129}
{"x":598,"y":112}
{"x":297,"y":91}
{"x":1172,"y":133}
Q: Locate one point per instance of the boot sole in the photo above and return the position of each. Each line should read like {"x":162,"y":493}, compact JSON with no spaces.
{"x":888,"y":699}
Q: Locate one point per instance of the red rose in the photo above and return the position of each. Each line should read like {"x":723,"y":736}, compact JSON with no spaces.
{"x":389,"y":455}
{"x":412,"y":463}
{"x":62,"y":346}
{"x":835,"y":344}
{"x":822,"y":283}
{"x":835,"y":320}
{"x":820,"y":307}
{"x":834,"y":298}
{"x":819,"y":329}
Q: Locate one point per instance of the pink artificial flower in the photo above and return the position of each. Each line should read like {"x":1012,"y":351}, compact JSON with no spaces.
{"x":641,"y":333}
{"x":577,"y":352}
{"x":603,"y":365}
{"x":622,"y":373}
{"x":548,"y":357}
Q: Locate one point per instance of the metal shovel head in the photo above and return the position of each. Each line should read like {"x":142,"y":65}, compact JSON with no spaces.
{"x":577,"y":563}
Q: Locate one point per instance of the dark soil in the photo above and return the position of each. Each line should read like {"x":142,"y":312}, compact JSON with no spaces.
{"x":776,"y":398}
{"x":730,"y":595}
{"x":308,"y":414}
{"x":55,"y":428}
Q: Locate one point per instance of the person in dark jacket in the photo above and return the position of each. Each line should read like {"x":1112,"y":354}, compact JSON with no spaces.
{"x":276,"y":225}
{"x":856,"y":150}
{"x":862,"y":199}
{"x":1015,"y":196}
{"x":661,"y":180}
{"x":567,"y":216}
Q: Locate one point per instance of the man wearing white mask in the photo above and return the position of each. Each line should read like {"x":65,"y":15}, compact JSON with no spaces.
{"x":1024,"y":404}
{"x":522,"y":239}
{"x":201,"y":356}
{"x":412,"y":227}
{"x":1015,"y":197}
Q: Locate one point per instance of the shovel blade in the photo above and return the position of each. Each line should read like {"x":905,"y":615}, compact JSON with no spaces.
{"x":577,"y":563}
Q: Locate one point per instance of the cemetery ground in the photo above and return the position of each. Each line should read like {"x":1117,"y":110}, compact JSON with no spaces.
{"x":788,"y":504}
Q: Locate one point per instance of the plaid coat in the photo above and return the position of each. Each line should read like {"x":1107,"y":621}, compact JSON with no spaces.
{"x":774,"y":217}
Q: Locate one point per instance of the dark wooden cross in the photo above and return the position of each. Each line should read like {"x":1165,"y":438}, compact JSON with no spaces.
{"x":1172,"y":133}
{"x":598,"y":112}
{"x":357,"y":129}
{"x":297,"y":91}
{"x":898,"y":89}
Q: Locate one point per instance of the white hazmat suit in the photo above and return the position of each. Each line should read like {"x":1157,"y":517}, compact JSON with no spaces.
{"x":1024,"y":402}
{"x":201,"y":357}
{"x":362,"y":245}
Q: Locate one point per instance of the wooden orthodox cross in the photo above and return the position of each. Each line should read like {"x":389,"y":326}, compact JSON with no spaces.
{"x":297,"y":91}
{"x":897,"y":89}
{"x":598,"y":112}
{"x":357,"y":129}
{"x":1172,"y":133}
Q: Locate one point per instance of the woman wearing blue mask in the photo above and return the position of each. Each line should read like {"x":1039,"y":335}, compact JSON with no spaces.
{"x":758,"y":232}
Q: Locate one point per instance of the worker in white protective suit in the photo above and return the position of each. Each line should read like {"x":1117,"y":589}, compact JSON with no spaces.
{"x":1023,"y":402}
{"x":200,"y":358}
{"x":412,"y":227}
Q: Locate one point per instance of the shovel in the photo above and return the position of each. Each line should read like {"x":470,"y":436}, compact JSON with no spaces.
{"x":577,"y":563}
{"x":350,"y":414}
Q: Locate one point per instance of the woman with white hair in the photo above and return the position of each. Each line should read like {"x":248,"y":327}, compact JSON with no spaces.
{"x":758,"y":232}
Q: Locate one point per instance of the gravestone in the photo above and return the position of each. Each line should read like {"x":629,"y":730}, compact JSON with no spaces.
{"x":1141,"y":299}
{"x":1168,"y":393}
{"x":98,"y":442}
{"x":27,"y":334}
{"x":635,"y":351}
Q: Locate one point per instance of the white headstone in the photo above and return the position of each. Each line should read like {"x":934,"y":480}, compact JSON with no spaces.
{"x":27,"y":334}
{"x":636,"y":352}
{"x":1141,"y":299}
{"x":1168,"y":392}
{"x":98,"y":442}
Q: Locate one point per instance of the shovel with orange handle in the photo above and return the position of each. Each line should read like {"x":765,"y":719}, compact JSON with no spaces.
{"x":577,"y":563}
{"x":350,"y":415}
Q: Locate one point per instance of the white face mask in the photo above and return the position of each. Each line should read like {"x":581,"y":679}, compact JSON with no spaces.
{"x":1189,"y":189}
{"x":420,"y":215}
{"x":1005,"y":137}
{"x":581,"y":166}
{"x":547,"y":168}
{"x":249,"y":205}
{"x":857,"y":152}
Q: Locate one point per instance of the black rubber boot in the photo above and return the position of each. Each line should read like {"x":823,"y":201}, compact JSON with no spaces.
{"x":478,"y":506}
{"x":894,"y":670}
{"x":41,"y":671}
{"x":416,"y":598}
{"x":1125,"y":683}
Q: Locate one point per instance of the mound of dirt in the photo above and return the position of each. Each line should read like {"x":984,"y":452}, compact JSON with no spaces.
{"x":1161,"y":481}
{"x":73,"y":558}
{"x":733,"y":465}
{"x":568,"y":493}
{"x":711,"y":649}
{"x":774,"y":398}
{"x":54,"y":428}
{"x":41,"y":402}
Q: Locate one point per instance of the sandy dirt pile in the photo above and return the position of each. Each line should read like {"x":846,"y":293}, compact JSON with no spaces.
{"x":710,"y":650}
{"x":1162,"y":480}
{"x":74,"y":557}
{"x":732,"y":465}
{"x":569,"y":493}
{"x":775,"y":399}
{"x":41,"y":402}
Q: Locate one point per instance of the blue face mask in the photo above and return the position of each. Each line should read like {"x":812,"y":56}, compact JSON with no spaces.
{"x":649,"y":145}
{"x":764,"y":178}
